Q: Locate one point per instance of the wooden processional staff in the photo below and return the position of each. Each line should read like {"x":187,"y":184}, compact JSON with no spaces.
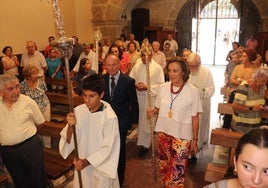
{"x":146,"y":50}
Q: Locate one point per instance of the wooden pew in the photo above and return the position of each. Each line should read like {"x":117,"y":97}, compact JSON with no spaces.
{"x":226,"y":138}
{"x":59,"y":82}
{"x":58,"y":98}
{"x":226,"y":91}
{"x":55,"y":165}
{"x":61,"y":99}
{"x":226,"y":108}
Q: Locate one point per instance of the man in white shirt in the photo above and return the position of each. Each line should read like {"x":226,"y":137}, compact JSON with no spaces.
{"x":33,"y":57}
{"x":159,"y":56}
{"x":132,"y":39}
{"x":21,"y":147}
{"x":172,"y":42}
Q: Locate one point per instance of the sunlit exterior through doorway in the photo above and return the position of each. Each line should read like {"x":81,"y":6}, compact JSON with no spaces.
{"x":216,"y":28}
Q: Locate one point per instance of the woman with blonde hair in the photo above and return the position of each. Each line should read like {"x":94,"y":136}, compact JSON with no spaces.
{"x":36,"y":88}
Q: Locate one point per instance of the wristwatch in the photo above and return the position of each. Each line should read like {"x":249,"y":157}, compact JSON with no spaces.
{"x":250,"y":108}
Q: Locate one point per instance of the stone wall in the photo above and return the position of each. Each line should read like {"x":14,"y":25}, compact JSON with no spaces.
{"x":163,"y":13}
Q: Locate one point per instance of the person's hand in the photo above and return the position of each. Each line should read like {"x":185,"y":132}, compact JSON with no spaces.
{"x":71,"y":119}
{"x":140,"y":86}
{"x":194,"y":147}
{"x":74,"y":95}
{"x":80,"y":164}
{"x":72,"y":74}
{"x":53,"y":75}
{"x":257,"y":107}
{"x":260,"y":107}
{"x":134,"y":126}
{"x":150,"y":112}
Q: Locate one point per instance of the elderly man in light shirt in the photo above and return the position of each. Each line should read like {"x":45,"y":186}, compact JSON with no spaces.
{"x":172,"y":42}
{"x":158,"y":56}
{"x":33,"y":57}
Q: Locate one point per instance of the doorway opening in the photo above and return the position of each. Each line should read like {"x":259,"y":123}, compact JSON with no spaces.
{"x":206,"y":25}
{"x":217,"y":26}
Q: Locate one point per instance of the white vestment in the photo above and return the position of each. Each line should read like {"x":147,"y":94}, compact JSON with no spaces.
{"x":203,"y":80}
{"x":99,"y":142}
{"x":138,"y":72}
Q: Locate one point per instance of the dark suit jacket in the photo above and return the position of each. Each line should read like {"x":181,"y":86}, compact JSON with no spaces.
{"x":124,"y":102}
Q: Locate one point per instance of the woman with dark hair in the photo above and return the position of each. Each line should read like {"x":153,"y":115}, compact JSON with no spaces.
{"x":117,"y":49}
{"x":10,"y":61}
{"x":250,"y":162}
{"x":178,"y":106}
{"x":246,"y":68}
{"x":133,"y":53}
{"x":114,"y":49}
{"x":84,"y":71}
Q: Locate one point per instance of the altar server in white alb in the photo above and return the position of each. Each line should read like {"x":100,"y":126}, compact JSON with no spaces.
{"x":98,"y":138}
{"x":138,"y":72}
{"x":201,"y":77}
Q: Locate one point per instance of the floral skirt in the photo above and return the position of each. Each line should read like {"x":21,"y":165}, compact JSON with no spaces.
{"x":172,"y":159}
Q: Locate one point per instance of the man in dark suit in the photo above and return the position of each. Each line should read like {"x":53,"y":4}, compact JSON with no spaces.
{"x":120,"y":92}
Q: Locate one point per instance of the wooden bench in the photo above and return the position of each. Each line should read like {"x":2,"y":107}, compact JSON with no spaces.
{"x":55,"y":165}
{"x":57,"y":82}
{"x":62,"y":100}
{"x":226,"y":138}
{"x":58,"y":98}
{"x":226,"y":91}
{"x":226,"y":108}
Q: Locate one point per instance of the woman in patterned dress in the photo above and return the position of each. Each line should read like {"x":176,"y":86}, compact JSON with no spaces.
{"x":178,"y":106}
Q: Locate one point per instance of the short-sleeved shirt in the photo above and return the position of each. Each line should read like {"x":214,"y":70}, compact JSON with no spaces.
{"x":245,"y":121}
{"x":19,"y":122}
{"x":38,"y":94}
{"x":36,"y":59}
{"x":52,"y":67}
{"x":185,"y":105}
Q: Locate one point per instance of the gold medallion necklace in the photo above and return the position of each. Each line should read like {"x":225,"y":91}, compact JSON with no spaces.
{"x":172,"y":99}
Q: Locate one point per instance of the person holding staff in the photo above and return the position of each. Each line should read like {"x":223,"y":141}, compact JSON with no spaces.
{"x":178,"y":106}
